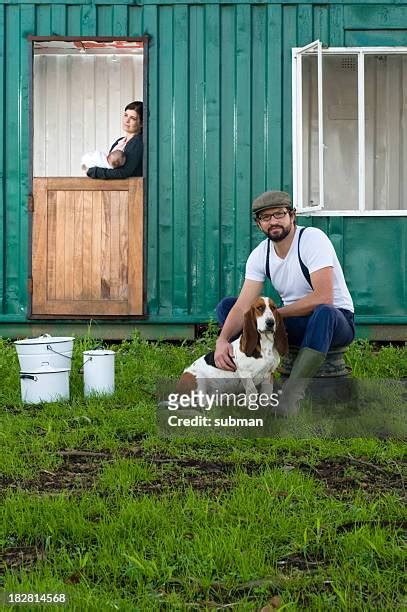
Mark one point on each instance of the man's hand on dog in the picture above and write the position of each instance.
(224, 355)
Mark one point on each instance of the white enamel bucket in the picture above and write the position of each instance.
(44, 385)
(44, 351)
(98, 372)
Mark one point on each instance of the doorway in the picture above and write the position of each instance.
(87, 235)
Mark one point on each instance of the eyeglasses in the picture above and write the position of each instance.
(268, 217)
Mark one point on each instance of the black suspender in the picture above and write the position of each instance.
(304, 268)
(268, 259)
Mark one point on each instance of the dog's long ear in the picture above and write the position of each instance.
(280, 335)
(249, 340)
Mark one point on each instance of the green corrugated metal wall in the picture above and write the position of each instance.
(219, 133)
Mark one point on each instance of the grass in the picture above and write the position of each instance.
(96, 505)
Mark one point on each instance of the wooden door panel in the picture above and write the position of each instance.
(83, 262)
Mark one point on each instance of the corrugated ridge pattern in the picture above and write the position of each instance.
(219, 134)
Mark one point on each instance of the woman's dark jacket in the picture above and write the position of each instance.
(133, 166)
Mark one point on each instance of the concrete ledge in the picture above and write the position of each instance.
(384, 333)
(96, 330)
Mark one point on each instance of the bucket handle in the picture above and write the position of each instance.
(49, 348)
(99, 346)
(29, 376)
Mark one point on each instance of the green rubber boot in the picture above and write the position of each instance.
(305, 366)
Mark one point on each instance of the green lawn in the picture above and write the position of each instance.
(95, 504)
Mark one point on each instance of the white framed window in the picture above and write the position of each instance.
(350, 130)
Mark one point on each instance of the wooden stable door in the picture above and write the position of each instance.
(87, 247)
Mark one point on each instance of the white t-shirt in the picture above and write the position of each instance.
(316, 251)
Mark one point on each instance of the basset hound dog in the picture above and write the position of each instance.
(256, 355)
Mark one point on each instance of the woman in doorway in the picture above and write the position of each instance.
(131, 144)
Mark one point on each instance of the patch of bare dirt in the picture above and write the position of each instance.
(78, 471)
(299, 562)
(178, 473)
(219, 594)
(19, 557)
(343, 475)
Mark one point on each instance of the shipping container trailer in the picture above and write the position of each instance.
(239, 97)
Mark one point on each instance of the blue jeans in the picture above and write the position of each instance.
(327, 327)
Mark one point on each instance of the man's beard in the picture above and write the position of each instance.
(279, 237)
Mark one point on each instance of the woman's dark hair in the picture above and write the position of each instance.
(138, 107)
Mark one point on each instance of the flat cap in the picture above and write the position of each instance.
(271, 199)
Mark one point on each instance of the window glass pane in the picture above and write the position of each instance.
(310, 160)
(340, 78)
(386, 131)
(340, 127)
